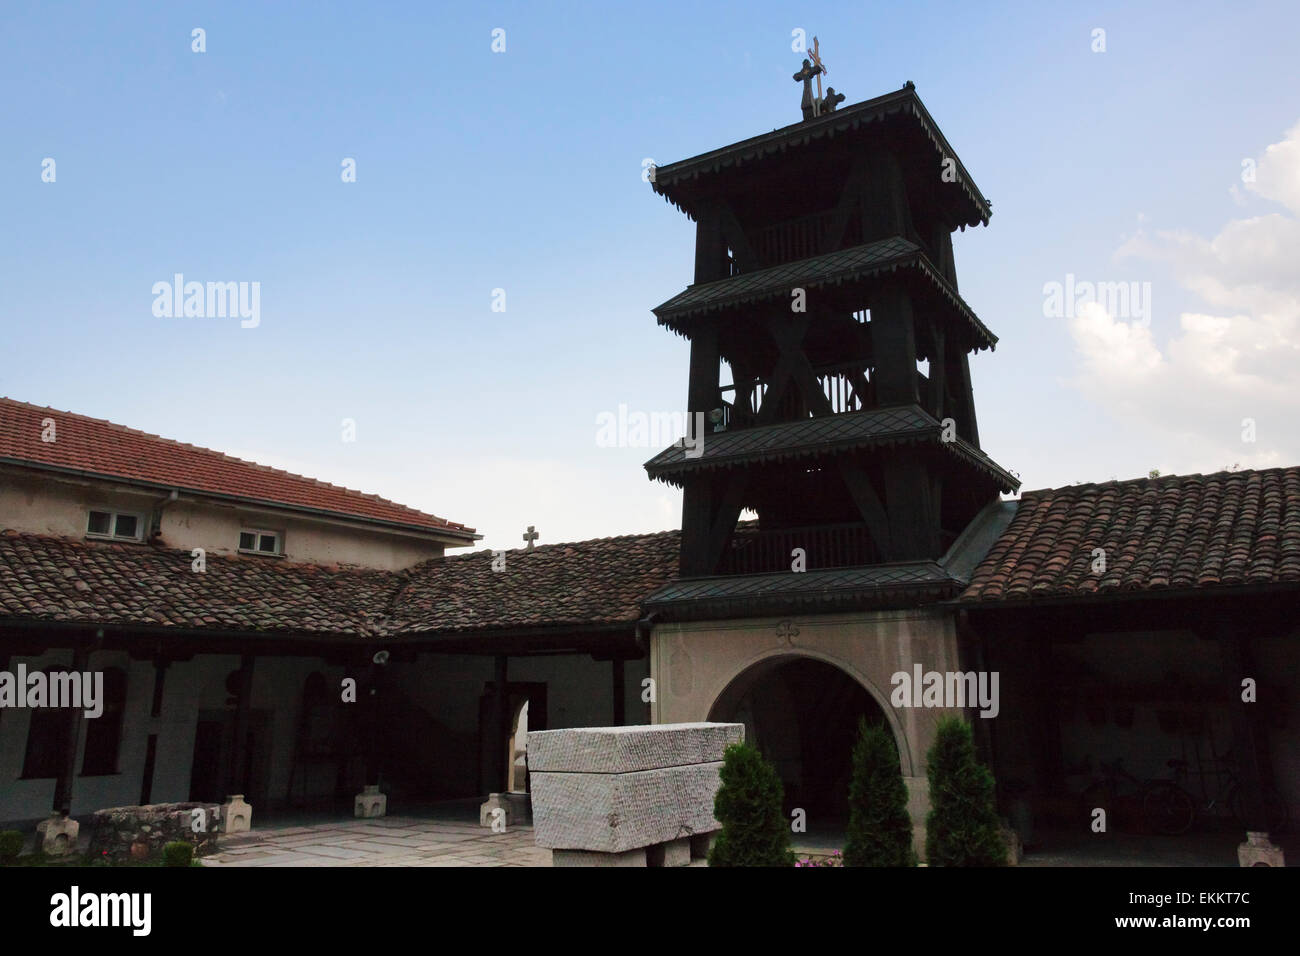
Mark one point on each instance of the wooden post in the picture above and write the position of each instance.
(235, 772)
(1250, 780)
(63, 785)
(620, 694)
(160, 665)
(500, 708)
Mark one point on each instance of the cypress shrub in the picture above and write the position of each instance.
(11, 845)
(748, 805)
(178, 853)
(880, 829)
(963, 827)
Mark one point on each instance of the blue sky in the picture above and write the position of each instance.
(521, 170)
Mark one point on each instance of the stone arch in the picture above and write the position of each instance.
(753, 668)
(801, 709)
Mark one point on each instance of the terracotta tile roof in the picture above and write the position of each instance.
(44, 578)
(102, 448)
(1173, 532)
(587, 582)
(58, 579)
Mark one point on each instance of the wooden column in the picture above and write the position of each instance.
(620, 693)
(235, 772)
(63, 785)
(160, 665)
(1238, 665)
(501, 712)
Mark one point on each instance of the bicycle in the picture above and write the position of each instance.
(1171, 810)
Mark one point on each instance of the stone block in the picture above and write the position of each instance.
(236, 815)
(588, 858)
(629, 749)
(1259, 850)
(57, 836)
(615, 812)
(370, 803)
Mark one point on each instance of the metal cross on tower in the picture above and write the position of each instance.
(815, 54)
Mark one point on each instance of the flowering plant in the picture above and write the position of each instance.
(835, 859)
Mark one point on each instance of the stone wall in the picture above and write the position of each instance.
(123, 833)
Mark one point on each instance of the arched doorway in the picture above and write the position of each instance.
(802, 714)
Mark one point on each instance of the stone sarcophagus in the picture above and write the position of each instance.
(627, 796)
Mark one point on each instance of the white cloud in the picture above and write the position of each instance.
(1239, 359)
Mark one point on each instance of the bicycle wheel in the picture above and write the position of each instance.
(1275, 810)
(1169, 809)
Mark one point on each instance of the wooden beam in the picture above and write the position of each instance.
(235, 771)
(850, 199)
(869, 507)
(63, 784)
(619, 691)
(893, 341)
(710, 246)
(724, 518)
(938, 372)
(734, 236)
(501, 712)
(792, 365)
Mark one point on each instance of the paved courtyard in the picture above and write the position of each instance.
(387, 841)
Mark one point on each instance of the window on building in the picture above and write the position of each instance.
(114, 524)
(256, 541)
(104, 733)
(47, 742)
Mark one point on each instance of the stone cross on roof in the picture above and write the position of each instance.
(530, 536)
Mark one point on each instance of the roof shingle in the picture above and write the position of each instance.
(1173, 532)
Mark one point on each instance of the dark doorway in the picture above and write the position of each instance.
(803, 715)
(213, 742)
(531, 693)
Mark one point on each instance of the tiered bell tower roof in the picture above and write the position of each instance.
(825, 290)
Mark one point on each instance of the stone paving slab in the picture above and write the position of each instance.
(389, 841)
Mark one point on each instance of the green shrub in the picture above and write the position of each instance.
(963, 827)
(11, 844)
(880, 829)
(748, 805)
(177, 853)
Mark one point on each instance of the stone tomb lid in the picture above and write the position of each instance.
(629, 749)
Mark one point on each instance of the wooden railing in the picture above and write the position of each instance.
(793, 239)
(825, 546)
(839, 384)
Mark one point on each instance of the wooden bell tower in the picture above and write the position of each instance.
(829, 347)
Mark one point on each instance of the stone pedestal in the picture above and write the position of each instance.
(1015, 849)
(236, 815)
(370, 803)
(627, 796)
(1258, 850)
(516, 810)
(57, 836)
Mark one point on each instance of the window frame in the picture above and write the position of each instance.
(113, 515)
(257, 534)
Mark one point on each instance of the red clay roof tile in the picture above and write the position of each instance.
(106, 449)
